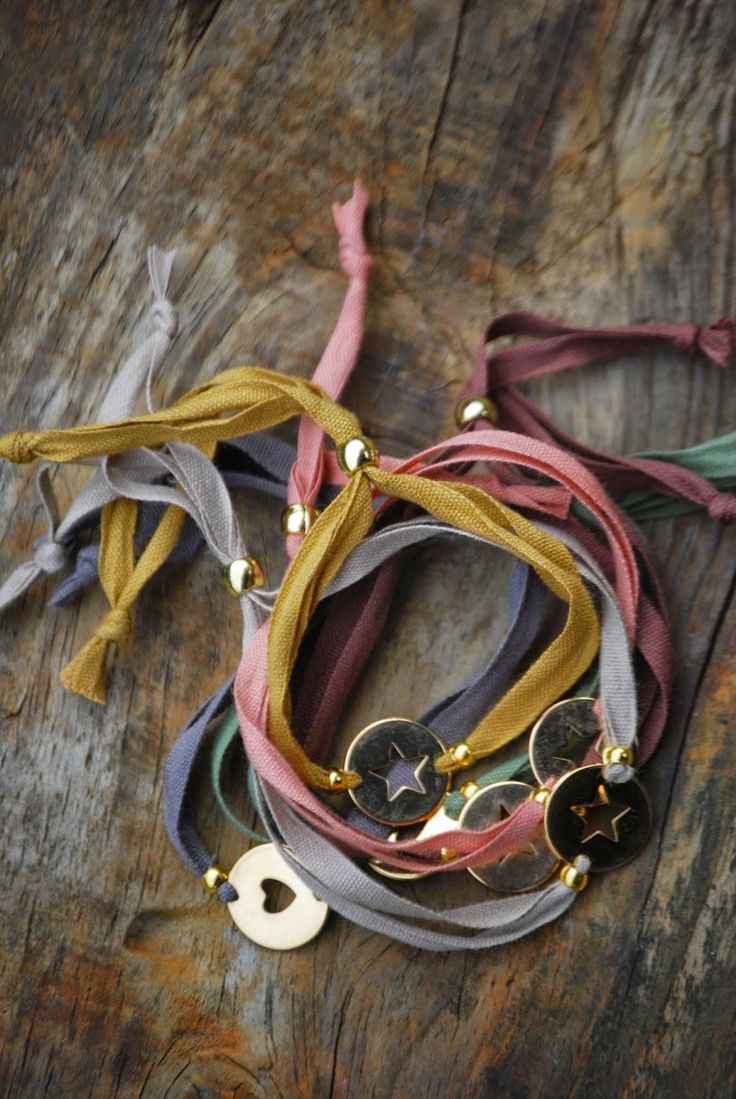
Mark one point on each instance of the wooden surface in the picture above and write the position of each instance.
(573, 157)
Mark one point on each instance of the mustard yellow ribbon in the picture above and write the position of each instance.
(336, 533)
(122, 579)
(256, 399)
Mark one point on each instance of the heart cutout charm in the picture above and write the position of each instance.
(296, 924)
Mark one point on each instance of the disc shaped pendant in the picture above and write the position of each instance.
(395, 761)
(608, 822)
(562, 737)
(296, 924)
(521, 870)
(435, 825)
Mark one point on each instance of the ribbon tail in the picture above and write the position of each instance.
(85, 674)
(19, 581)
(159, 269)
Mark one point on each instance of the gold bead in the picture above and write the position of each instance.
(475, 408)
(446, 855)
(541, 794)
(469, 789)
(618, 753)
(356, 453)
(242, 575)
(297, 518)
(336, 780)
(573, 878)
(213, 878)
(462, 755)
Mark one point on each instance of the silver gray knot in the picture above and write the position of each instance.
(164, 317)
(51, 556)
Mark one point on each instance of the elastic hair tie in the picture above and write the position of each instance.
(51, 553)
(333, 369)
(258, 399)
(339, 529)
(553, 347)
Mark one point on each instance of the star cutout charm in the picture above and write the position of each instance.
(568, 752)
(601, 816)
(399, 775)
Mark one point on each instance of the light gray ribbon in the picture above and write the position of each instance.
(360, 897)
(52, 551)
(202, 493)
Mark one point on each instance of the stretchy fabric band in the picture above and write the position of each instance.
(342, 885)
(51, 552)
(214, 528)
(554, 347)
(271, 398)
(341, 353)
(264, 397)
(357, 891)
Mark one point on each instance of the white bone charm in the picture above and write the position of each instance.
(296, 925)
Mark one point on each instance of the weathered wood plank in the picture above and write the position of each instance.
(576, 158)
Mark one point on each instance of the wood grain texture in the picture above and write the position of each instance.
(571, 157)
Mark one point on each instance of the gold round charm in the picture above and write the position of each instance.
(395, 761)
(562, 738)
(475, 408)
(298, 519)
(438, 823)
(296, 924)
(522, 870)
(356, 453)
(608, 822)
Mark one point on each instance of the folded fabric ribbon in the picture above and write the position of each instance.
(553, 347)
(50, 553)
(316, 868)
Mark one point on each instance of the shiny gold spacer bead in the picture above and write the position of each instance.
(573, 878)
(541, 795)
(243, 575)
(213, 878)
(336, 780)
(469, 789)
(462, 755)
(446, 855)
(618, 753)
(475, 408)
(356, 453)
(298, 518)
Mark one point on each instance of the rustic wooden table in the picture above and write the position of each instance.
(573, 158)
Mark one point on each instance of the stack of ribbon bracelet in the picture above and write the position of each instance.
(526, 775)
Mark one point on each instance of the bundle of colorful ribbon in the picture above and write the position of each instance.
(583, 671)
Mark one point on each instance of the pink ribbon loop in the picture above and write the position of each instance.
(341, 353)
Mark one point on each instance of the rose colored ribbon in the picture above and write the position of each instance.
(341, 353)
(553, 347)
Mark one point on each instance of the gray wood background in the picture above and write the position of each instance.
(568, 156)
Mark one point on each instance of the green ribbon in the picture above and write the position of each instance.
(715, 460)
(227, 735)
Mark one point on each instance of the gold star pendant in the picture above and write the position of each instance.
(398, 776)
(602, 816)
